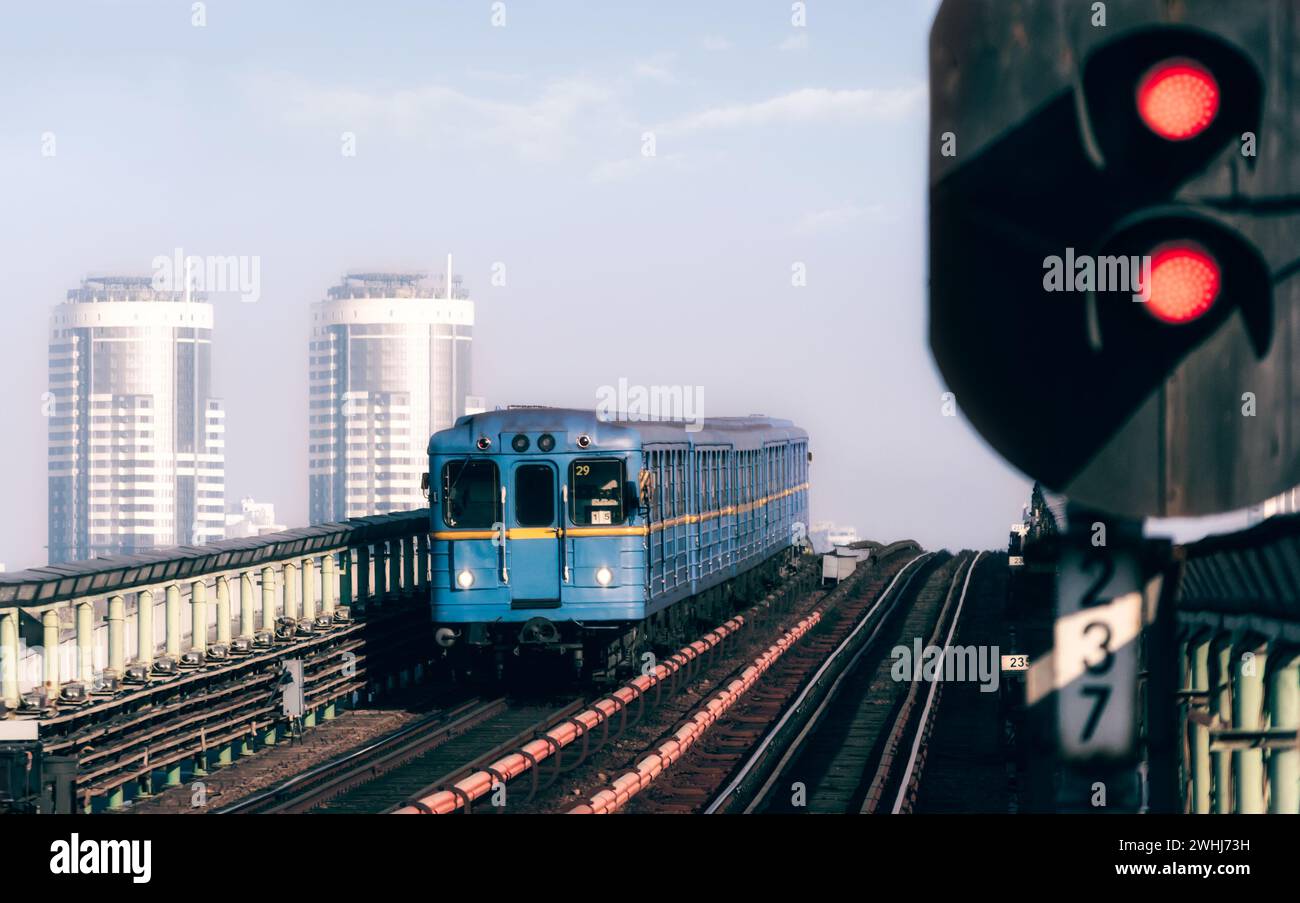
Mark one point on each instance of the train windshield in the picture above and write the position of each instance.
(471, 495)
(597, 491)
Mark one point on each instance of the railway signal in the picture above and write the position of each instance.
(1111, 224)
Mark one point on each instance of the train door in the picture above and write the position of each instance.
(535, 545)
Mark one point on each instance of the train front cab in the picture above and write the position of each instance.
(533, 538)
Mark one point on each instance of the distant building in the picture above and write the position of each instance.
(389, 366)
(136, 437)
(251, 518)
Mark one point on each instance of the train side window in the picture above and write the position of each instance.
(596, 494)
(471, 494)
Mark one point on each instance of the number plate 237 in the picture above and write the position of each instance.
(1098, 627)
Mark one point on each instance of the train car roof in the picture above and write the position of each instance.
(742, 433)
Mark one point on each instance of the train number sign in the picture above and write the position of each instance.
(1098, 626)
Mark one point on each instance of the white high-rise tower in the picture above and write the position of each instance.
(136, 438)
(389, 366)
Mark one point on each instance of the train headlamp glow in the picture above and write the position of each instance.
(604, 576)
(464, 579)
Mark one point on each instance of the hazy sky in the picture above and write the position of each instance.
(519, 145)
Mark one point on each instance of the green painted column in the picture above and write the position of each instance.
(225, 755)
(309, 588)
(9, 657)
(247, 621)
(1200, 733)
(201, 764)
(174, 620)
(268, 598)
(329, 583)
(291, 588)
(199, 616)
(379, 571)
(1284, 764)
(395, 553)
(117, 798)
(246, 747)
(408, 565)
(347, 572)
(144, 627)
(172, 775)
(422, 561)
(116, 635)
(328, 713)
(223, 611)
(144, 786)
(363, 582)
(1247, 713)
(309, 718)
(86, 642)
(50, 629)
(1221, 705)
(268, 736)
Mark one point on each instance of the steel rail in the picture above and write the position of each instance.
(931, 695)
(761, 749)
(406, 742)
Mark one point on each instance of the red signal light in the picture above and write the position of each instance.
(1185, 282)
(1178, 99)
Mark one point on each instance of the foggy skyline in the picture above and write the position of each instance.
(522, 150)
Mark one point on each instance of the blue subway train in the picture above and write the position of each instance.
(558, 530)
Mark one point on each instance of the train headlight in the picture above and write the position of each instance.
(604, 576)
(464, 579)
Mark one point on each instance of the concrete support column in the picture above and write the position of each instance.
(291, 591)
(422, 561)
(1200, 733)
(329, 586)
(50, 625)
(199, 616)
(365, 593)
(144, 627)
(309, 588)
(116, 635)
(268, 598)
(247, 622)
(1284, 764)
(408, 565)
(174, 620)
(1247, 714)
(86, 642)
(1221, 705)
(9, 657)
(223, 611)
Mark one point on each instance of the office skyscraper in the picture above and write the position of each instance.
(136, 439)
(389, 366)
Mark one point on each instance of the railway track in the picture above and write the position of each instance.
(853, 742)
(689, 762)
(417, 759)
(828, 721)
